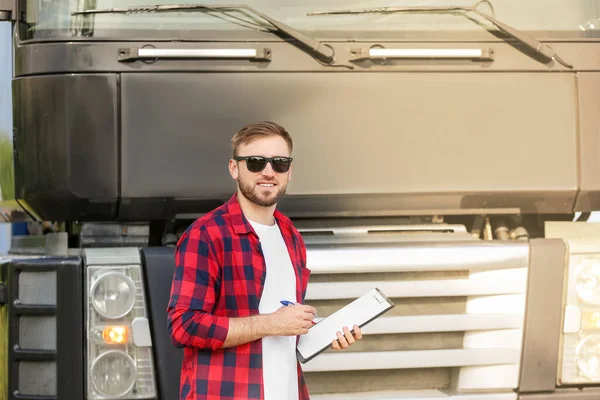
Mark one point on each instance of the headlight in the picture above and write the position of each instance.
(119, 345)
(113, 373)
(581, 333)
(113, 295)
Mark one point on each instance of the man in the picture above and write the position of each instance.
(234, 267)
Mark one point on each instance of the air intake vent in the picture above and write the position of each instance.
(37, 288)
(37, 333)
(37, 378)
(45, 320)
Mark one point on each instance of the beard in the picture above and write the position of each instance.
(251, 192)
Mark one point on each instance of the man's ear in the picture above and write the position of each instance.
(233, 169)
(290, 174)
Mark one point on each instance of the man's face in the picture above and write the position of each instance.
(266, 187)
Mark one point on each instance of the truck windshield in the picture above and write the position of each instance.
(542, 19)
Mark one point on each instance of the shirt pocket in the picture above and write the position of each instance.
(243, 278)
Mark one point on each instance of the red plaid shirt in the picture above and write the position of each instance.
(220, 274)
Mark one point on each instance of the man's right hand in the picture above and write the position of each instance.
(292, 320)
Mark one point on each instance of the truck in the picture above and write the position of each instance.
(445, 152)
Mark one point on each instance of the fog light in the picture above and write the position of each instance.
(113, 373)
(113, 295)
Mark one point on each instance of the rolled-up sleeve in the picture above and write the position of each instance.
(194, 293)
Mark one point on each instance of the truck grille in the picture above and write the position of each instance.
(44, 311)
(457, 325)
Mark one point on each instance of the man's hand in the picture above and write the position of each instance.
(346, 339)
(292, 320)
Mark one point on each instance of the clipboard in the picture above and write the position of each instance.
(361, 311)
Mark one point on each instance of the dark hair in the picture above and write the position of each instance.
(257, 129)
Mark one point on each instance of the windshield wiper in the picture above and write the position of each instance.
(530, 42)
(315, 48)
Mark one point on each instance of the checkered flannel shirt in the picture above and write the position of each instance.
(220, 274)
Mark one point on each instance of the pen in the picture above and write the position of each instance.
(291, 303)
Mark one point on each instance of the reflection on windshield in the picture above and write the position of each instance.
(533, 44)
(541, 18)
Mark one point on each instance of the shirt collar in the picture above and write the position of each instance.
(240, 222)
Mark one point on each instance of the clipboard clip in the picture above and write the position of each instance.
(379, 298)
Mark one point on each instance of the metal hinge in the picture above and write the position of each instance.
(8, 10)
(3, 294)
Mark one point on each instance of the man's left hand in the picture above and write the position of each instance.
(347, 338)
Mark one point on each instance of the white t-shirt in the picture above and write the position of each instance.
(280, 374)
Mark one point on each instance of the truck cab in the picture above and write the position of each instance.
(445, 152)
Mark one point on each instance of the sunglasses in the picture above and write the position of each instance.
(258, 163)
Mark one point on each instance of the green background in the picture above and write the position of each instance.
(6, 168)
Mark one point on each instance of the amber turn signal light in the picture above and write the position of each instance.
(115, 334)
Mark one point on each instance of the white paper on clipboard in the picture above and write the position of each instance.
(360, 312)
